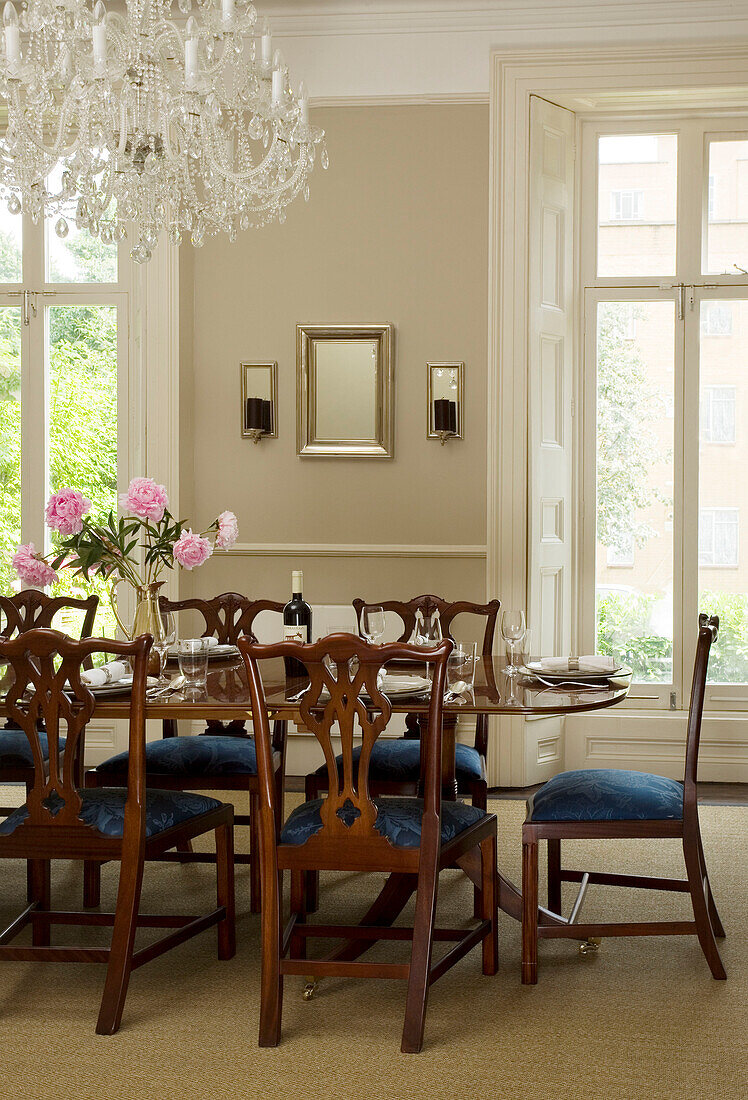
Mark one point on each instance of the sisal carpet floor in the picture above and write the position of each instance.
(642, 1019)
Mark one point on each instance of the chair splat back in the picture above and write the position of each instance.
(708, 630)
(448, 612)
(47, 691)
(32, 608)
(227, 617)
(340, 668)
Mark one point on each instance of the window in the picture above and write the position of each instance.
(718, 537)
(621, 555)
(625, 206)
(718, 414)
(665, 394)
(64, 362)
(716, 319)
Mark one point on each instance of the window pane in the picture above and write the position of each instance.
(10, 443)
(77, 257)
(11, 233)
(82, 364)
(723, 491)
(637, 195)
(635, 437)
(727, 208)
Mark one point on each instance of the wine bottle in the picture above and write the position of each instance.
(297, 624)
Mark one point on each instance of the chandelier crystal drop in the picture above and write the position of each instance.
(138, 121)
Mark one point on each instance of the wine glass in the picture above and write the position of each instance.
(512, 631)
(372, 623)
(163, 643)
(428, 633)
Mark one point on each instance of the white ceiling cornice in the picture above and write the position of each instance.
(310, 18)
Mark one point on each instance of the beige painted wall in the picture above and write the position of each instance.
(396, 231)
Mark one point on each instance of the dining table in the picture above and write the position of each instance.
(495, 692)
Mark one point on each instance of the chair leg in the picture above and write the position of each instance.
(40, 883)
(225, 893)
(271, 980)
(297, 947)
(420, 961)
(254, 853)
(554, 876)
(696, 875)
(529, 907)
(719, 930)
(91, 884)
(490, 904)
(184, 846)
(123, 941)
(479, 792)
(311, 791)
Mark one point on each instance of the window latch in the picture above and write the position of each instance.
(29, 306)
(672, 701)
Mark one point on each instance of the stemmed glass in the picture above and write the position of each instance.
(428, 633)
(163, 643)
(512, 631)
(372, 623)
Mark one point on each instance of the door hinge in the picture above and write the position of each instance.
(673, 701)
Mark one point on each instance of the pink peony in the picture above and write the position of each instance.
(65, 511)
(228, 530)
(31, 568)
(191, 550)
(146, 499)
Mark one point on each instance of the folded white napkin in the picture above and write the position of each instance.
(591, 663)
(210, 642)
(105, 674)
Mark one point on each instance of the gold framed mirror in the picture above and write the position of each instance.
(345, 391)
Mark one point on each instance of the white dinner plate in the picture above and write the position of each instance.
(534, 668)
(396, 687)
(121, 687)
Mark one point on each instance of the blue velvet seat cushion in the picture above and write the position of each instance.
(400, 761)
(398, 819)
(202, 755)
(607, 794)
(15, 749)
(104, 809)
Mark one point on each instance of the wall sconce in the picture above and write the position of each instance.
(259, 401)
(445, 384)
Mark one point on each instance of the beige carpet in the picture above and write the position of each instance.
(642, 1019)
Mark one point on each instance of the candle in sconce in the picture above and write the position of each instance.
(441, 415)
(267, 417)
(254, 414)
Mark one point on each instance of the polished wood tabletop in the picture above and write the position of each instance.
(226, 695)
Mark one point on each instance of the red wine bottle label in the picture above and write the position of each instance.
(295, 633)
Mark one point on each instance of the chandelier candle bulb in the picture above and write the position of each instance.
(190, 52)
(227, 10)
(266, 45)
(99, 34)
(277, 87)
(303, 104)
(11, 33)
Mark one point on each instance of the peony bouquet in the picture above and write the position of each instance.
(136, 548)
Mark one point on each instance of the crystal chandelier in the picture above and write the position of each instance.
(128, 121)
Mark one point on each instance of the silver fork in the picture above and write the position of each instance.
(573, 683)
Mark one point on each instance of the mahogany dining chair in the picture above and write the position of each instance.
(59, 820)
(611, 804)
(411, 839)
(221, 758)
(395, 766)
(19, 613)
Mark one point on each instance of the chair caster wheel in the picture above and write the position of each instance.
(590, 946)
(309, 989)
